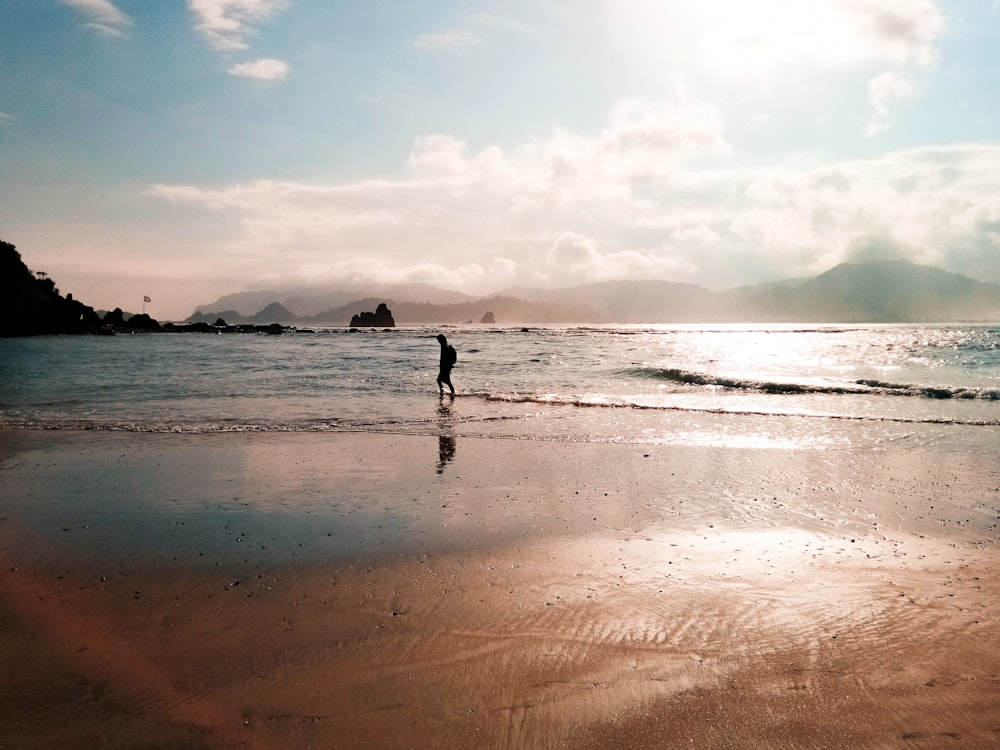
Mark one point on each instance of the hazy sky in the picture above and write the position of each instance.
(183, 150)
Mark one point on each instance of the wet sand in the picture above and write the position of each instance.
(362, 590)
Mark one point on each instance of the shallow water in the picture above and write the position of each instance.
(736, 386)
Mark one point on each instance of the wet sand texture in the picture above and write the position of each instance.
(336, 591)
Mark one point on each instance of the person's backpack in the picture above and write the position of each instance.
(451, 356)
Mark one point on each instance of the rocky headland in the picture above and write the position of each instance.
(31, 305)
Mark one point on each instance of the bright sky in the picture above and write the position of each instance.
(183, 150)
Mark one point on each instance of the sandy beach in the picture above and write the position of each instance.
(402, 591)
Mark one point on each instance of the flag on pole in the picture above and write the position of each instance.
(146, 299)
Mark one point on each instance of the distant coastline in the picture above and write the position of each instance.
(892, 291)
(875, 292)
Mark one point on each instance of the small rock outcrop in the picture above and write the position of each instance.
(381, 318)
(142, 322)
(115, 321)
(488, 319)
(114, 318)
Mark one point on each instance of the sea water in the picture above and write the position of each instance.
(869, 386)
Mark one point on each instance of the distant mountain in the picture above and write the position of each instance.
(273, 313)
(876, 292)
(506, 310)
(230, 317)
(304, 302)
(242, 303)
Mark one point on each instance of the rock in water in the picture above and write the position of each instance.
(381, 318)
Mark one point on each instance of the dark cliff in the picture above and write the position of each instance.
(30, 303)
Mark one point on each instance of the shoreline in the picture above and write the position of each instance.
(351, 589)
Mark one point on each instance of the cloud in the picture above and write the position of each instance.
(474, 31)
(501, 23)
(443, 158)
(927, 205)
(884, 92)
(644, 144)
(766, 40)
(575, 258)
(447, 40)
(648, 134)
(498, 206)
(226, 24)
(649, 195)
(264, 69)
(908, 27)
(105, 18)
(438, 155)
(571, 252)
(877, 246)
(824, 33)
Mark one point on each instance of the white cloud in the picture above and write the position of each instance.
(915, 204)
(769, 39)
(884, 92)
(649, 137)
(443, 158)
(226, 24)
(501, 23)
(473, 31)
(908, 27)
(105, 18)
(643, 147)
(265, 69)
(571, 253)
(575, 258)
(438, 156)
(635, 199)
(447, 40)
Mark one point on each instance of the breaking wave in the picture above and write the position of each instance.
(856, 387)
(600, 402)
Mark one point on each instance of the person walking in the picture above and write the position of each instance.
(448, 359)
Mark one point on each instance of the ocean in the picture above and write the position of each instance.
(293, 540)
(770, 386)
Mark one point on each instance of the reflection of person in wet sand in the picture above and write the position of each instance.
(446, 441)
(448, 359)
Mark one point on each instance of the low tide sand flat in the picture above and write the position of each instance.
(354, 590)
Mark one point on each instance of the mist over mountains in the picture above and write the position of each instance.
(305, 302)
(876, 292)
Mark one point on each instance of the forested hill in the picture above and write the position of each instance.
(895, 291)
(31, 304)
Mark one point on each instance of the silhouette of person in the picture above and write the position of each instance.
(448, 359)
